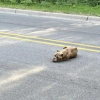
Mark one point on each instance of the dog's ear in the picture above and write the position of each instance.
(57, 50)
(64, 47)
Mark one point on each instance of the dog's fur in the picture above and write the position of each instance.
(65, 54)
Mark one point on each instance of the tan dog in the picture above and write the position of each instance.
(65, 54)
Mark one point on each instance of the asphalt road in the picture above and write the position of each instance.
(27, 45)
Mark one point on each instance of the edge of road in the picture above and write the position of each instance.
(50, 14)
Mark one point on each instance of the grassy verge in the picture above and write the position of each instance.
(75, 9)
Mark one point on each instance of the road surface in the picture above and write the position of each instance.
(27, 45)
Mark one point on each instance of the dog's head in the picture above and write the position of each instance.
(58, 56)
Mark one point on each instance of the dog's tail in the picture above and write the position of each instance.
(76, 49)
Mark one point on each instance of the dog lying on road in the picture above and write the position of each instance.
(65, 54)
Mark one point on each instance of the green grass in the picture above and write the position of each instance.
(69, 9)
